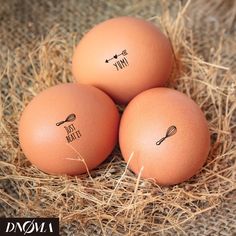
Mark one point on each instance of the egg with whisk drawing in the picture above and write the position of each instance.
(164, 136)
(69, 129)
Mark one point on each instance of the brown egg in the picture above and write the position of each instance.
(164, 135)
(123, 56)
(69, 128)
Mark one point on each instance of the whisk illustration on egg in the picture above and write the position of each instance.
(69, 118)
(170, 132)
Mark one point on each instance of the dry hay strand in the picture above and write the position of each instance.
(111, 199)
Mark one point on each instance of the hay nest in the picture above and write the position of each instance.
(111, 199)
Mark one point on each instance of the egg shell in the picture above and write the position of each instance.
(74, 146)
(143, 130)
(123, 56)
